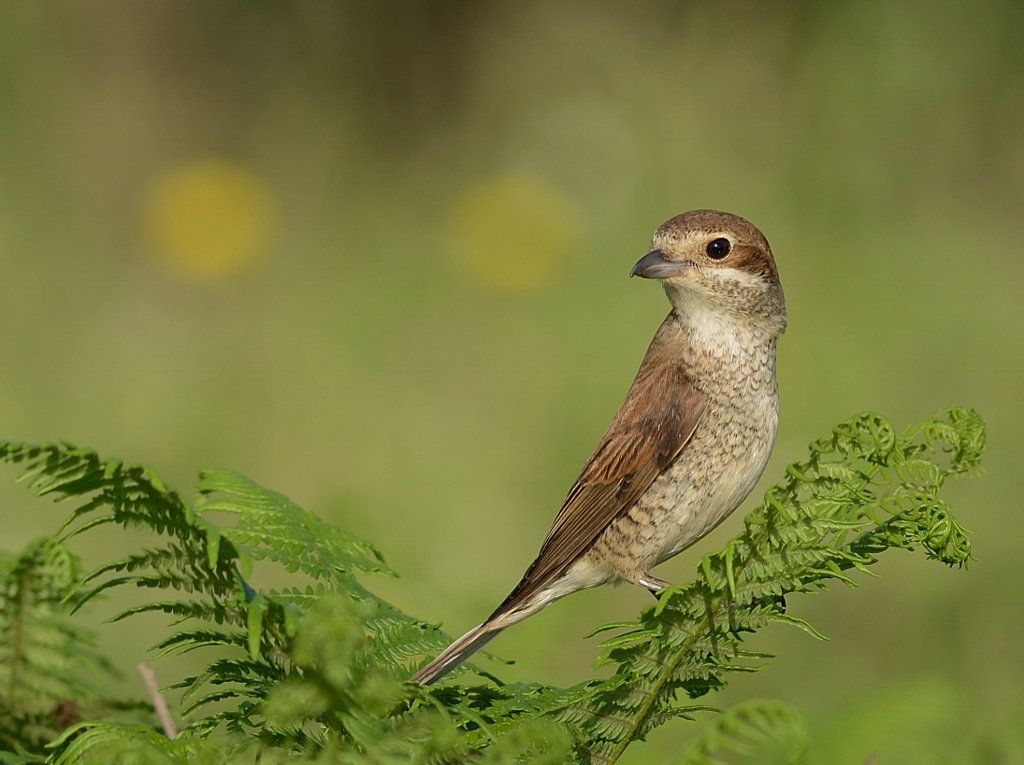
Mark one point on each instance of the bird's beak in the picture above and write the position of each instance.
(654, 265)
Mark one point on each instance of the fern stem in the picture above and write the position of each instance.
(669, 667)
(18, 632)
(652, 696)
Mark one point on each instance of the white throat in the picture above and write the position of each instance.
(716, 320)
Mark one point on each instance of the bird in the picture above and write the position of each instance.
(691, 438)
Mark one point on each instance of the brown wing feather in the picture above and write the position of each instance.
(654, 423)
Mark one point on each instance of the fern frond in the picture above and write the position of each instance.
(102, 743)
(190, 640)
(208, 564)
(272, 527)
(750, 728)
(45, 660)
(834, 512)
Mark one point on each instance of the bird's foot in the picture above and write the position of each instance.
(653, 584)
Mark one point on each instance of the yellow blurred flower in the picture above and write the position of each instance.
(513, 233)
(210, 219)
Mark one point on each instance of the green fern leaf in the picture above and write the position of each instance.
(749, 729)
(272, 527)
(45, 660)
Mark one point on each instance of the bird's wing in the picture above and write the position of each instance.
(654, 423)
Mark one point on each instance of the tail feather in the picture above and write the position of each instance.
(456, 653)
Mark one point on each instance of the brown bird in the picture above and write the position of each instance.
(689, 442)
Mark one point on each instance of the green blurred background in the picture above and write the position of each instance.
(374, 255)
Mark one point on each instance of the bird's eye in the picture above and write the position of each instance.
(718, 248)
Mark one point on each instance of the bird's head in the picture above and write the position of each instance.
(715, 263)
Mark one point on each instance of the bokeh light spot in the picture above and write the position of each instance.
(210, 219)
(513, 234)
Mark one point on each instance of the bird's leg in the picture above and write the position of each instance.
(656, 586)
(653, 584)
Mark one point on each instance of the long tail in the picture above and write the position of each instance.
(528, 597)
(456, 653)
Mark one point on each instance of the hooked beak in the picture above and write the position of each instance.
(654, 265)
